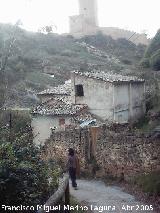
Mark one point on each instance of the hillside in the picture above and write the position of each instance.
(39, 61)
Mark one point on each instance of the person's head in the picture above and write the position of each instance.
(71, 151)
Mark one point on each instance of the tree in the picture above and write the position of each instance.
(155, 61)
(152, 54)
(48, 29)
(25, 179)
(154, 45)
(6, 48)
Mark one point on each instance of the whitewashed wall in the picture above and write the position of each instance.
(138, 100)
(114, 102)
(41, 127)
(121, 103)
(98, 95)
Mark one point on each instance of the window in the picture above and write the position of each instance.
(79, 90)
(61, 121)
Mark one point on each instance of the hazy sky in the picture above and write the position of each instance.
(136, 15)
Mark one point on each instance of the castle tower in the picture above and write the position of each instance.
(86, 22)
(88, 9)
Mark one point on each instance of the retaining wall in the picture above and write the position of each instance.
(106, 151)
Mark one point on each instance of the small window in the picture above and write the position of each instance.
(61, 121)
(79, 90)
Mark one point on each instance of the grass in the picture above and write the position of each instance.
(149, 183)
(40, 78)
(145, 125)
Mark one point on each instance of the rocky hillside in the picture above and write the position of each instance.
(38, 61)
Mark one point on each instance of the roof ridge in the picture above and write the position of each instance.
(109, 77)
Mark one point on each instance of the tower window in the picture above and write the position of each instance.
(79, 90)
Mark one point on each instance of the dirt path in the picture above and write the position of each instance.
(102, 198)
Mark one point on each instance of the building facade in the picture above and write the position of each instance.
(88, 97)
(56, 113)
(111, 98)
(43, 125)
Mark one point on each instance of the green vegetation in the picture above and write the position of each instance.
(125, 50)
(152, 83)
(25, 179)
(149, 183)
(39, 80)
(145, 125)
(155, 60)
(152, 55)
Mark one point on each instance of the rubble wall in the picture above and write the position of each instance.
(108, 152)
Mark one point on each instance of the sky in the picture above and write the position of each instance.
(135, 15)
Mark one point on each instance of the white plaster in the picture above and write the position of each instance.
(97, 95)
(118, 102)
(42, 127)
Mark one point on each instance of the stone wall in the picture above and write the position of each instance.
(115, 33)
(108, 152)
(128, 154)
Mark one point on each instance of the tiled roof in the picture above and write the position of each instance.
(58, 106)
(64, 89)
(109, 77)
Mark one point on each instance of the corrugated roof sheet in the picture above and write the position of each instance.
(88, 122)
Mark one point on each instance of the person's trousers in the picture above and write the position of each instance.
(72, 174)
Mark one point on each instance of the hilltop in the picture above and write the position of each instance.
(40, 61)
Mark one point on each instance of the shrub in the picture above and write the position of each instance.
(154, 45)
(145, 63)
(150, 183)
(126, 61)
(155, 61)
(152, 54)
(24, 178)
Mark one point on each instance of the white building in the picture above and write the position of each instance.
(88, 96)
(114, 98)
(56, 112)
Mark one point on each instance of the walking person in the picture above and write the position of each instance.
(73, 167)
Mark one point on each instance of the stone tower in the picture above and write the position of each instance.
(88, 9)
(86, 22)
